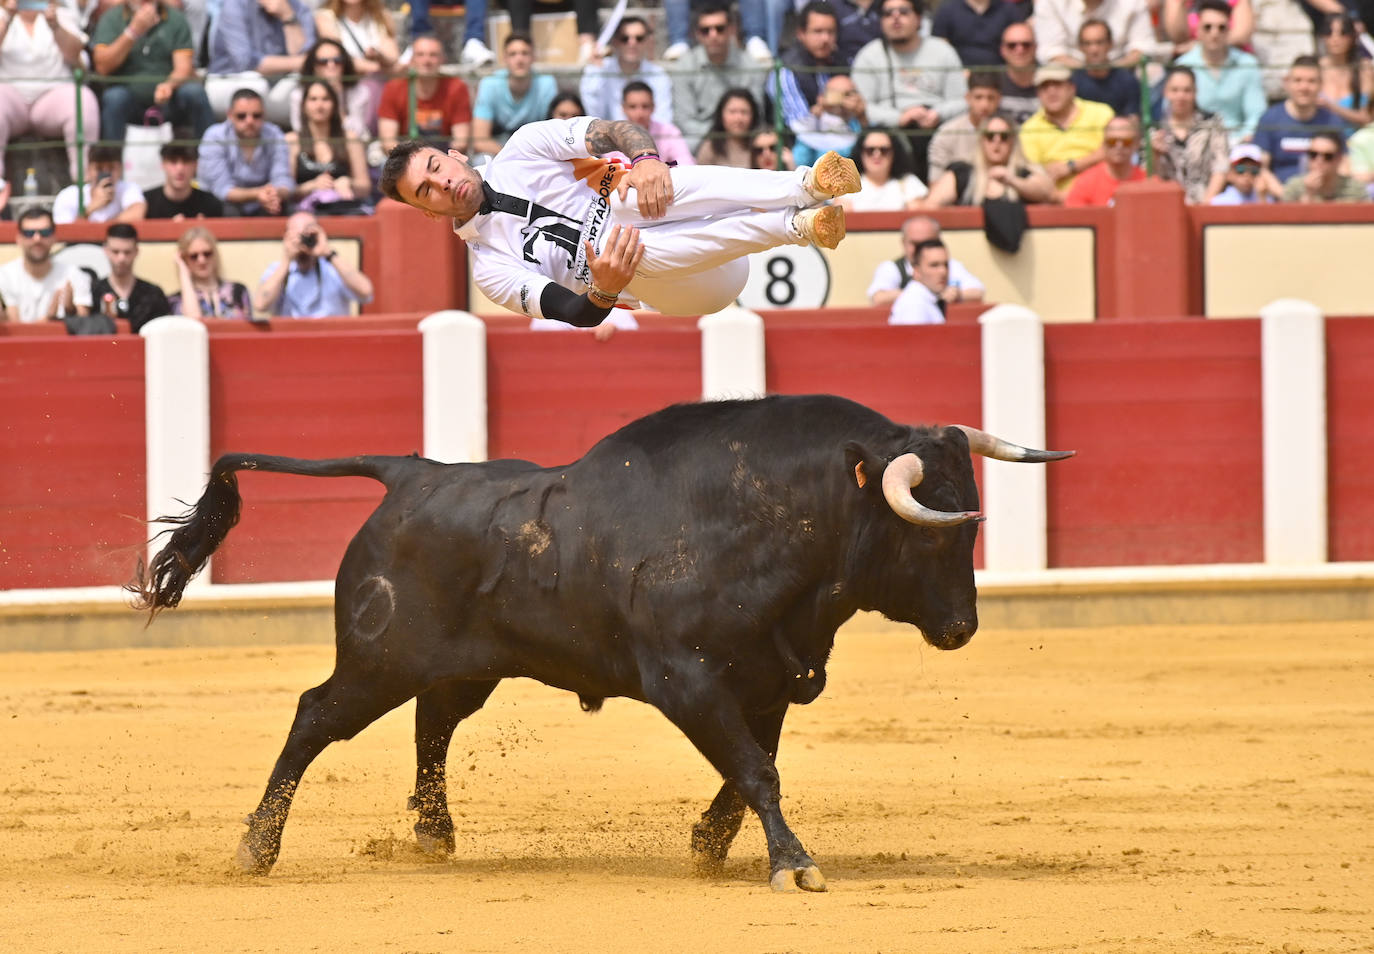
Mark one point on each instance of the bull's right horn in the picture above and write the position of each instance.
(989, 445)
(900, 476)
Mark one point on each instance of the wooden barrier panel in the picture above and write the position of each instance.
(553, 394)
(308, 394)
(72, 487)
(1350, 438)
(1166, 419)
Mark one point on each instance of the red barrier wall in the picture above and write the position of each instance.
(72, 493)
(551, 395)
(307, 394)
(1166, 418)
(1350, 409)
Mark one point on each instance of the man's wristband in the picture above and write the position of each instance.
(640, 158)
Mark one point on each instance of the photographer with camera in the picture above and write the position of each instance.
(311, 280)
(108, 198)
(122, 294)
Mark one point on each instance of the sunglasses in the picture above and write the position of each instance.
(632, 38)
(197, 256)
(1322, 154)
(877, 150)
(329, 61)
(1244, 168)
(1018, 44)
(997, 135)
(248, 116)
(707, 29)
(48, 232)
(1119, 140)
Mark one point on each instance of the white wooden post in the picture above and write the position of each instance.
(1293, 354)
(1014, 409)
(455, 387)
(732, 363)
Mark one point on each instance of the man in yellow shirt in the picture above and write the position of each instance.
(1065, 134)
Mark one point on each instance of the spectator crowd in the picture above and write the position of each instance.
(287, 107)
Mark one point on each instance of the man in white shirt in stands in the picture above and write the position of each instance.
(553, 218)
(891, 276)
(922, 300)
(33, 286)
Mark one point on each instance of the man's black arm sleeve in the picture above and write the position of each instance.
(562, 305)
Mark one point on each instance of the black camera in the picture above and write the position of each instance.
(309, 239)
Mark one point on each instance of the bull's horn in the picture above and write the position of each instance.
(981, 442)
(900, 476)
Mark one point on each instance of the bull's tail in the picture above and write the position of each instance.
(201, 530)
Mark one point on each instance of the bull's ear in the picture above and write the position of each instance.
(865, 465)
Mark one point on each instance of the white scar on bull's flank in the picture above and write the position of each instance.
(535, 536)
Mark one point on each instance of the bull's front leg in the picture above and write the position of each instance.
(711, 718)
(720, 823)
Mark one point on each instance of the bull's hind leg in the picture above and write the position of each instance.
(720, 823)
(338, 708)
(437, 713)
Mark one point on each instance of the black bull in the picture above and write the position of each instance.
(699, 559)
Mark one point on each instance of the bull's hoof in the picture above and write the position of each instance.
(792, 879)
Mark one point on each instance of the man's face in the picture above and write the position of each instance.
(633, 45)
(178, 172)
(1055, 96)
(818, 35)
(716, 34)
(900, 21)
(1302, 85)
(519, 58)
(932, 269)
(1018, 46)
(427, 55)
(639, 107)
(121, 252)
(246, 115)
(441, 185)
(1213, 30)
(1094, 45)
(982, 103)
(36, 238)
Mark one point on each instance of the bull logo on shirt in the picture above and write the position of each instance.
(554, 227)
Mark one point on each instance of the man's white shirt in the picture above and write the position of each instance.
(916, 305)
(515, 257)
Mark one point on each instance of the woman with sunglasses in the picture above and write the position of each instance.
(1347, 72)
(998, 171)
(327, 60)
(1191, 146)
(328, 164)
(732, 129)
(204, 294)
(886, 181)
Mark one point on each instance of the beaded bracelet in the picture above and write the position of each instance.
(648, 155)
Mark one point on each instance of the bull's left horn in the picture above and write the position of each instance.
(900, 476)
(989, 445)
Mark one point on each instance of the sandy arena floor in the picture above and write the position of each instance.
(1133, 789)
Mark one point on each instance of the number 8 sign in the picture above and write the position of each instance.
(789, 276)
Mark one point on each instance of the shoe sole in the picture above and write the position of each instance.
(828, 226)
(835, 175)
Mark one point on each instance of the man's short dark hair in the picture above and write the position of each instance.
(105, 152)
(1306, 61)
(243, 92)
(636, 86)
(923, 247)
(516, 36)
(121, 230)
(985, 79)
(1095, 22)
(396, 164)
(1216, 6)
(31, 212)
(817, 8)
(179, 150)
